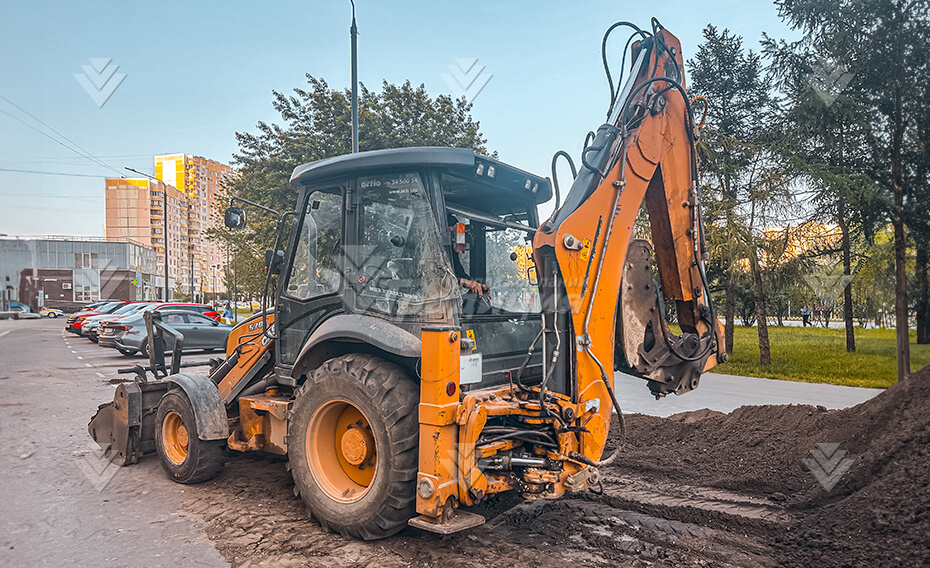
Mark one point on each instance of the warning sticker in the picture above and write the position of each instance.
(470, 334)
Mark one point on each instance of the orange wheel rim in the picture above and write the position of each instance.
(341, 451)
(175, 438)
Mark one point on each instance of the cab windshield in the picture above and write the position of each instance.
(401, 269)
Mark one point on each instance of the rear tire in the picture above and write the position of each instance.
(356, 409)
(184, 457)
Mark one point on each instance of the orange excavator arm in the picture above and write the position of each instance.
(591, 267)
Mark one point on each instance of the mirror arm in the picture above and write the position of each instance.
(277, 243)
(278, 217)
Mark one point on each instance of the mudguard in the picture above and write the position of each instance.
(209, 409)
(379, 333)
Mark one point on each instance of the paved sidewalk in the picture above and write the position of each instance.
(725, 393)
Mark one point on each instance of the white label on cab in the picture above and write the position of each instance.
(470, 369)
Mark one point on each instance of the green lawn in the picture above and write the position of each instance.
(818, 355)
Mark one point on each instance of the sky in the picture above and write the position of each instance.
(198, 72)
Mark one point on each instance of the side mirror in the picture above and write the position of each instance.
(213, 322)
(234, 218)
(274, 260)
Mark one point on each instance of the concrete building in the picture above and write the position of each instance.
(68, 272)
(136, 210)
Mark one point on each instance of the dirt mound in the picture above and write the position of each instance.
(878, 512)
(696, 489)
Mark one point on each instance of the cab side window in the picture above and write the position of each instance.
(318, 255)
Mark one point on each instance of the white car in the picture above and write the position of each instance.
(51, 312)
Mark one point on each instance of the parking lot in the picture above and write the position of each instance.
(61, 505)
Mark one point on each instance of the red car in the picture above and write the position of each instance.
(75, 321)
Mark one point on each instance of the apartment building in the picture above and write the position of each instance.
(136, 210)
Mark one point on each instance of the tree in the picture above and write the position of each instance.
(741, 179)
(825, 133)
(880, 43)
(317, 125)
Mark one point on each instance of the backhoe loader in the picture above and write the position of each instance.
(432, 342)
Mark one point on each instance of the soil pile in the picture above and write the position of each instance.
(878, 513)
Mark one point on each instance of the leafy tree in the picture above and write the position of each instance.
(880, 42)
(741, 177)
(316, 124)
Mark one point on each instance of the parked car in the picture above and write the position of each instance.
(51, 312)
(130, 336)
(91, 327)
(75, 321)
(91, 323)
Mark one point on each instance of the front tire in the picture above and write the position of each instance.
(184, 457)
(353, 446)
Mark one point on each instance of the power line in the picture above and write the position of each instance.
(51, 173)
(46, 125)
(80, 151)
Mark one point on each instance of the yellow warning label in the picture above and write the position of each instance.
(585, 249)
(470, 334)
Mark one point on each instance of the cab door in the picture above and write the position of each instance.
(313, 284)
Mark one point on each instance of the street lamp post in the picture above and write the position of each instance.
(235, 274)
(165, 193)
(353, 31)
(213, 269)
(190, 248)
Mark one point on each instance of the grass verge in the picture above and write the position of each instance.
(818, 355)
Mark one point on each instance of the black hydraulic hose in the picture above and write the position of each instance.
(544, 409)
(555, 176)
(588, 138)
(610, 80)
(526, 361)
(548, 442)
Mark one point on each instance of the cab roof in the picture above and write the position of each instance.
(460, 161)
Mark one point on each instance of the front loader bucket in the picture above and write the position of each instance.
(125, 428)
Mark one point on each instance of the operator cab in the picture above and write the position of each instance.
(387, 237)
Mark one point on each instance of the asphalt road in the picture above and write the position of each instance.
(60, 505)
(56, 506)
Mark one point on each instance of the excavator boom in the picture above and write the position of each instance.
(588, 259)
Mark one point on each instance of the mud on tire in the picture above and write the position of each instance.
(194, 461)
(387, 398)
